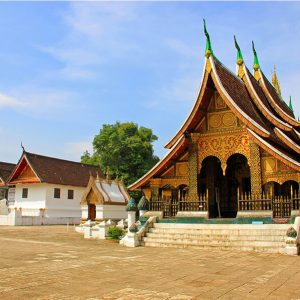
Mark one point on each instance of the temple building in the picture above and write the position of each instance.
(45, 190)
(236, 154)
(5, 171)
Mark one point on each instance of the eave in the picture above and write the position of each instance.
(246, 119)
(11, 179)
(261, 106)
(161, 165)
(290, 120)
(274, 151)
(287, 140)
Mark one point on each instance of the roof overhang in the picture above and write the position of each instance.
(162, 164)
(18, 171)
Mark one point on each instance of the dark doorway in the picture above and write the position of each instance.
(210, 182)
(92, 212)
(237, 181)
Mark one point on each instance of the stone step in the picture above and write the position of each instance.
(215, 231)
(201, 242)
(217, 247)
(201, 236)
(222, 226)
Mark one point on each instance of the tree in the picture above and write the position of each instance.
(125, 148)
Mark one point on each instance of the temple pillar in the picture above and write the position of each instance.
(255, 170)
(193, 171)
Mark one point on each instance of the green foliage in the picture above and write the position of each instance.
(125, 148)
(291, 232)
(115, 233)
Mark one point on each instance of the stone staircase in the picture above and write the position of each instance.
(241, 237)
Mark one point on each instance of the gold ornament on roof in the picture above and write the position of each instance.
(275, 82)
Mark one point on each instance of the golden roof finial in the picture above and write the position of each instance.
(275, 82)
(107, 173)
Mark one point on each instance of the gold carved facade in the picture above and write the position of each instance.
(275, 170)
(223, 145)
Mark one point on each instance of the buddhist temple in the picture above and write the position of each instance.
(237, 153)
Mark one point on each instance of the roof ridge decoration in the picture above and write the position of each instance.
(275, 104)
(275, 82)
(208, 48)
(291, 104)
(239, 58)
(256, 65)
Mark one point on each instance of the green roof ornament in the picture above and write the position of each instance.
(239, 58)
(255, 63)
(131, 206)
(143, 204)
(291, 104)
(208, 49)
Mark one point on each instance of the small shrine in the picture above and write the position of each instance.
(104, 199)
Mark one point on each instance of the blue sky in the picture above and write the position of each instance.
(66, 68)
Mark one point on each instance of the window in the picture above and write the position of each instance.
(70, 194)
(25, 193)
(56, 193)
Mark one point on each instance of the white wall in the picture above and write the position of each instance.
(63, 207)
(40, 207)
(36, 196)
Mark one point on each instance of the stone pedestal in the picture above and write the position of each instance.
(87, 229)
(130, 240)
(131, 218)
(142, 212)
(291, 247)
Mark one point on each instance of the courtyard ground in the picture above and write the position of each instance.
(54, 262)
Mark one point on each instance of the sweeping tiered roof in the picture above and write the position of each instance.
(268, 120)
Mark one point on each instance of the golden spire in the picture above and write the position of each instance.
(275, 82)
(107, 173)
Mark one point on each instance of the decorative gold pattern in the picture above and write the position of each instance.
(220, 103)
(229, 119)
(182, 169)
(214, 121)
(255, 170)
(220, 120)
(223, 146)
(269, 164)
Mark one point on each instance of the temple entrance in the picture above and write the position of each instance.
(210, 182)
(91, 212)
(222, 190)
(238, 182)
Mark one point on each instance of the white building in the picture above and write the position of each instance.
(46, 190)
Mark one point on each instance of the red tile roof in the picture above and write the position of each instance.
(60, 171)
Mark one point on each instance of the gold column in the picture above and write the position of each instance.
(193, 170)
(255, 170)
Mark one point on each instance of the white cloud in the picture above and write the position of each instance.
(8, 101)
(94, 37)
(35, 100)
(74, 150)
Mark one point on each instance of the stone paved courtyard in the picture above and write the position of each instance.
(55, 263)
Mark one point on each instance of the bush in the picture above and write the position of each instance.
(291, 232)
(115, 233)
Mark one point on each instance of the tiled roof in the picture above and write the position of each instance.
(60, 171)
(239, 94)
(5, 170)
(276, 97)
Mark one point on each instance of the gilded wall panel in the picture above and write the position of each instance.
(182, 169)
(223, 146)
